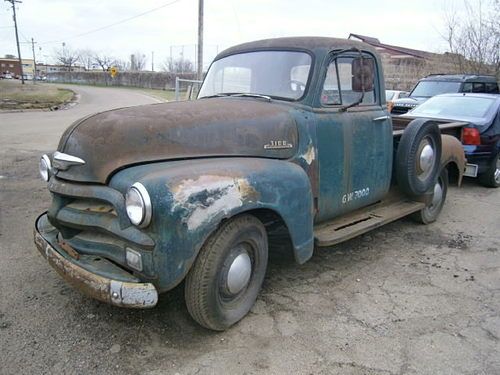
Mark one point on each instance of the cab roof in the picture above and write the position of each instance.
(308, 43)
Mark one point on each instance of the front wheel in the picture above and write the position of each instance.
(491, 178)
(223, 283)
(430, 213)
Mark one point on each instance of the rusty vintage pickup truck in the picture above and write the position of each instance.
(288, 146)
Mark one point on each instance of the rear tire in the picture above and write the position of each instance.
(227, 275)
(418, 157)
(491, 178)
(430, 213)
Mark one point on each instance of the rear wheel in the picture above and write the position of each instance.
(491, 178)
(223, 283)
(430, 213)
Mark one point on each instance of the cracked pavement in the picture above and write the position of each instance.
(403, 299)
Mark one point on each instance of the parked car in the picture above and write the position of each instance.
(436, 84)
(6, 76)
(392, 95)
(481, 135)
(148, 196)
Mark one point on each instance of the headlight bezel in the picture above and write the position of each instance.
(146, 207)
(45, 173)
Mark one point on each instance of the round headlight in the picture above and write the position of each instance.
(44, 167)
(138, 205)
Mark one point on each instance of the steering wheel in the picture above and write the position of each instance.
(298, 85)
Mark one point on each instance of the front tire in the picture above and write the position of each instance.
(491, 178)
(227, 275)
(430, 213)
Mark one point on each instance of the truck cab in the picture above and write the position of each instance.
(288, 145)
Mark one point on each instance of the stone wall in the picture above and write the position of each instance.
(403, 74)
(149, 80)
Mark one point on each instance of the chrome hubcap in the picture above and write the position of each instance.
(438, 195)
(497, 171)
(426, 158)
(239, 273)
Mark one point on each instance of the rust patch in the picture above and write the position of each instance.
(209, 196)
(71, 252)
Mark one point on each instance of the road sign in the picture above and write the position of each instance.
(113, 71)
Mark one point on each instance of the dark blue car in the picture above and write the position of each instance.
(480, 138)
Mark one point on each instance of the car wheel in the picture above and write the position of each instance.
(418, 157)
(226, 277)
(430, 213)
(491, 178)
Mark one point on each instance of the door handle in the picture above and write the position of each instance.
(381, 118)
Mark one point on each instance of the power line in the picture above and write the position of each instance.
(114, 23)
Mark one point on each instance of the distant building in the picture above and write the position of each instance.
(43, 69)
(403, 67)
(28, 68)
(10, 66)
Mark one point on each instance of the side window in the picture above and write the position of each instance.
(340, 86)
(491, 88)
(478, 87)
(467, 87)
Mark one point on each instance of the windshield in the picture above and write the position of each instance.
(455, 107)
(427, 89)
(280, 74)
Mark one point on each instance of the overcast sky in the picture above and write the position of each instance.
(414, 24)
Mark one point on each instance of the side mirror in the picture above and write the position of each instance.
(363, 74)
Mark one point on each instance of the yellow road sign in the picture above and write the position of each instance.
(114, 71)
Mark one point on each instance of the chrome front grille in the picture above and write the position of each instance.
(92, 220)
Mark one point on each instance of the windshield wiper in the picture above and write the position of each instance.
(249, 95)
(237, 94)
(214, 96)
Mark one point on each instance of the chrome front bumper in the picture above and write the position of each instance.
(95, 277)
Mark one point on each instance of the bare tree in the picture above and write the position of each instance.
(103, 61)
(179, 65)
(474, 39)
(122, 65)
(86, 58)
(137, 61)
(67, 56)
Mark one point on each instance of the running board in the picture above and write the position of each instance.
(363, 220)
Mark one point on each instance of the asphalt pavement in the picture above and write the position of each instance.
(403, 299)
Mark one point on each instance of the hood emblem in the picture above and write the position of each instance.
(273, 145)
(63, 161)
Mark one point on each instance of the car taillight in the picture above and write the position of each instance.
(471, 136)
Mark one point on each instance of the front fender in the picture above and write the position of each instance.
(191, 198)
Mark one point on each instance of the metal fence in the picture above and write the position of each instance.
(186, 89)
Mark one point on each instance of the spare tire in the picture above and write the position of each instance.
(418, 157)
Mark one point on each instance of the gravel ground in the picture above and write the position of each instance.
(403, 299)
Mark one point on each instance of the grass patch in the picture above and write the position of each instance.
(165, 95)
(14, 95)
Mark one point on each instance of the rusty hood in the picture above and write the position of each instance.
(109, 141)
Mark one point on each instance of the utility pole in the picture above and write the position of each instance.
(152, 61)
(13, 2)
(34, 60)
(200, 39)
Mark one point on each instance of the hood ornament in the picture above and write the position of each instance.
(62, 161)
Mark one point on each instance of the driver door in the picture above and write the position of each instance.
(354, 144)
